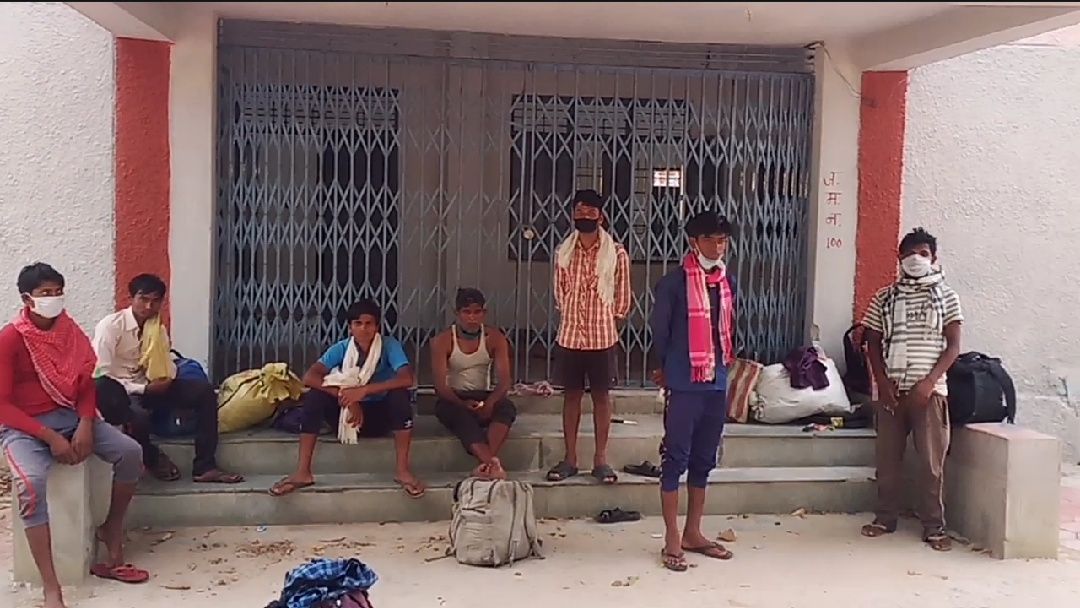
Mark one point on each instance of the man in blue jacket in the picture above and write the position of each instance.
(692, 331)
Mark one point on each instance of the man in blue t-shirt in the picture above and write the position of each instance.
(379, 408)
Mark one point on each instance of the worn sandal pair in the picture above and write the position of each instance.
(564, 470)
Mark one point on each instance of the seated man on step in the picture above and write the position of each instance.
(461, 358)
(360, 386)
(48, 415)
(136, 374)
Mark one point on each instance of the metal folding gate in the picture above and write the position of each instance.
(402, 165)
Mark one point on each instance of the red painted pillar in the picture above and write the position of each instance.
(142, 162)
(882, 123)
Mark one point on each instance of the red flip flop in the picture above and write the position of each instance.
(124, 574)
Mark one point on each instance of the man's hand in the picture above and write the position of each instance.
(920, 394)
(658, 377)
(485, 410)
(157, 387)
(61, 449)
(473, 404)
(82, 444)
(355, 415)
(351, 395)
(887, 393)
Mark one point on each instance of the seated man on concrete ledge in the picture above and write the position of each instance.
(913, 336)
(461, 358)
(136, 373)
(48, 414)
(375, 405)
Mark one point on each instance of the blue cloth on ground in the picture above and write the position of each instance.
(324, 579)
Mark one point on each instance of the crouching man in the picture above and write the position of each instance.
(461, 359)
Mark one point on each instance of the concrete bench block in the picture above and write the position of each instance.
(78, 498)
(1003, 489)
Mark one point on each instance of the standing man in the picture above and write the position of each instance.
(913, 337)
(592, 291)
(692, 324)
(461, 361)
(134, 353)
(48, 415)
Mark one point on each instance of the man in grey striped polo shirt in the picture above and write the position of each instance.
(913, 336)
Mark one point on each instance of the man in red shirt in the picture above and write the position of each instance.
(48, 414)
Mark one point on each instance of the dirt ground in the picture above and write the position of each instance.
(797, 561)
(812, 561)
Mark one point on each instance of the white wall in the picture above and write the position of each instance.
(993, 169)
(56, 153)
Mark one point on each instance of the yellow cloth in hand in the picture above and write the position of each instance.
(156, 358)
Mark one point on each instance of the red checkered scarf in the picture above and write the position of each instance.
(62, 355)
(698, 308)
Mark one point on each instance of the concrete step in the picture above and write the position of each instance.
(624, 402)
(339, 498)
(536, 443)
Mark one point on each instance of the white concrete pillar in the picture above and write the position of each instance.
(78, 500)
(192, 135)
(833, 199)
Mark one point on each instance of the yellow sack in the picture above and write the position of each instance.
(249, 397)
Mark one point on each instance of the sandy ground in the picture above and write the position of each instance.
(813, 561)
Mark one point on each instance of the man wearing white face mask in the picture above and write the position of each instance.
(913, 337)
(48, 415)
(693, 332)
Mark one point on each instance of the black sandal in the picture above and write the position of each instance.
(617, 516)
(938, 539)
(645, 469)
(562, 471)
(877, 529)
(605, 474)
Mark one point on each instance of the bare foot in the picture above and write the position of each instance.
(54, 598)
(495, 469)
(482, 471)
(674, 558)
(113, 539)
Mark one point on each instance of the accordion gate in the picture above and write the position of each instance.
(401, 165)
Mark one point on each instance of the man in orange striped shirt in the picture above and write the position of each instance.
(592, 291)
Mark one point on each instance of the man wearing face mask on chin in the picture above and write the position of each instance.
(592, 291)
(692, 322)
(913, 336)
(48, 415)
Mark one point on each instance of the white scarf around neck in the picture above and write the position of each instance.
(352, 374)
(895, 317)
(605, 262)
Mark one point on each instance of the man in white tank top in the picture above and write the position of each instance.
(461, 360)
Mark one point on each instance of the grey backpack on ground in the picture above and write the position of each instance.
(493, 523)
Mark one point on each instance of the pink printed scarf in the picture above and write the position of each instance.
(62, 356)
(702, 341)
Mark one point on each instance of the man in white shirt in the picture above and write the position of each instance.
(119, 347)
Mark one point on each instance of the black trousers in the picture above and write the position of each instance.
(132, 411)
(466, 424)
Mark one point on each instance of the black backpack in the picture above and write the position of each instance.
(980, 390)
(857, 374)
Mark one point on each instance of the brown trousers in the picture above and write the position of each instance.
(929, 426)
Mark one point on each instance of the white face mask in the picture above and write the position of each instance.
(707, 264)
(916, 266)
(48, 307)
